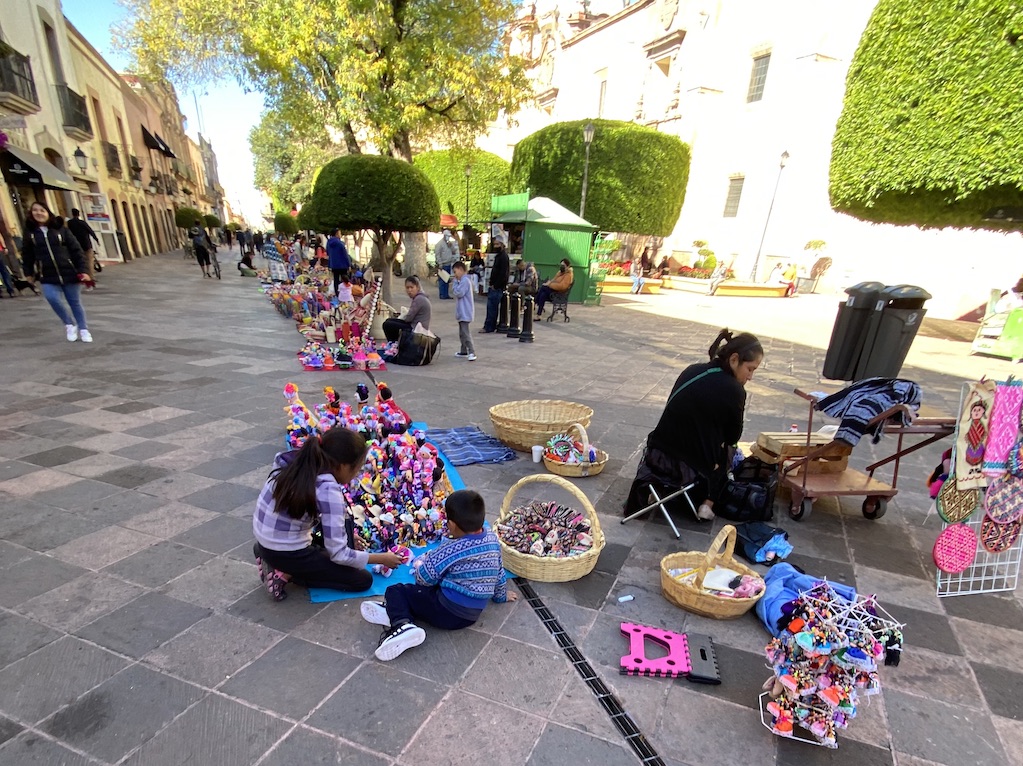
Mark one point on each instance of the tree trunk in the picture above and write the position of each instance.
(351, 142)
(415, 256)
(385, 248)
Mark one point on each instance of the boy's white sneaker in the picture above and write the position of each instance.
(375, 612)
(395, 641)
(86, 336)
(471, 357)
(72, 332)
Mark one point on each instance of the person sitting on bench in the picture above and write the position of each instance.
(523, 279)
(559, 283)
(701, 422)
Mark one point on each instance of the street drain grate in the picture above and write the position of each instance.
(607, 699)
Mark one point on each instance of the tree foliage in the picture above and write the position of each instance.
(446, 170)
(931, 128)
(637, 175)
(287, 155)
(285, 223)
(187, 217)
(211, 221)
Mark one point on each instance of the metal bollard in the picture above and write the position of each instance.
(526, 335)
(502, 314)
(514, 309)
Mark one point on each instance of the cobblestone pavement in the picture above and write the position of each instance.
(133, 628)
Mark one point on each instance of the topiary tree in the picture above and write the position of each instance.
(489, 175)
(384, 195)
(637, 175)
(187, 217)
(285, 223)
(931, 128)
(212, 222)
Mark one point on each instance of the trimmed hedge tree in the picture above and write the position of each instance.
(386, 196)
(285, 223)
(637, 178)
(446, 171)
(212, 222)
(932, 129)
(187, 217)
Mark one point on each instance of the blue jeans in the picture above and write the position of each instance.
(493, 307)
(444, 295)
(637, 285)
(5, 275)
(73, 295)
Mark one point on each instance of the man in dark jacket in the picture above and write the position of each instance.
(498, 281)
(84, 234)
(337, 257)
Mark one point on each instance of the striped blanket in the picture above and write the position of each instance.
(861, 402)
(467, 445)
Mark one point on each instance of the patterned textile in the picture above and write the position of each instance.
(467, 445)
(972, 435)
(860, 403)
(468, 569)
(1003, 427)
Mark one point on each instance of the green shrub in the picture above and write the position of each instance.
(446, 171)
(637, 175)
(931, 129)
(212, 222)
(285, 223)
(710, 261)
(187, 217)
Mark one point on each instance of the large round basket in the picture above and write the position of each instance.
(691, 596)
(525, 423)
(550, 569)
(578, 470)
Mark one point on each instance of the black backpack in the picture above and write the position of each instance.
(749, 494)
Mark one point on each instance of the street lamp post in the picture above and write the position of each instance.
(468, 173)
(756, 262)
(587, 139)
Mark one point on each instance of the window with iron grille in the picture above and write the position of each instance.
(758, 77)
(734, 195)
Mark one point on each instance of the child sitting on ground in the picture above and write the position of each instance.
(344, 289)
(453, 582)
(305, 488)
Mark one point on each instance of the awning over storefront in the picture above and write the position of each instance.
(150, 141)
(165, 147)
(24, 168)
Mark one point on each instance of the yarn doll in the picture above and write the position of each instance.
(940, 474)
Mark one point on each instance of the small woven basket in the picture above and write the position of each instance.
(525, 423)
(545, 568)
(691, 596)
(577, 470)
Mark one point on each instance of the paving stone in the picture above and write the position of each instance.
(833, 570)
(233, 580)
(58, 429)
(131, 477)
(1001, 689)
(143, 624)
(122, 712)
(263, 454)
(902, 560)
(52, 528)
(96, 465)
(688, 716)
(36, 686)
(224, 468)
(1012, 738)
(444, 657)
(285, 615)
(213, 649)
(362, 708)
(215, 731)
(167, 520)
(158, 564)
(221, 497)
(31, 484)
(8, 729)
(557, 741)
(742, 676)
(929, 631)
(145, 449)
(315, 749)
(989, 644)
(523, 624)
(935, 676)
(75, 495)
(896, 590)
(12, 469)
(20, 637)
(55, 457)
(129, 408)
(79, 602)
(941, 732)
(176, 486)
(1004, 611)
(217, 535)
(507, 672)
(119, 507)
(849, 752)
(590, 592)
(103, 547)
(36, 576)
(12, 555)
(31, 749)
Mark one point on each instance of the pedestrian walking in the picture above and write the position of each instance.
(83, 232)
(465, 309)
(203, 246)
(446, 253)
(52, 255)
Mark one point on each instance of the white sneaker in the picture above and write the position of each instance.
(395, 641)
(471, 357)
(72, 332)
(461, 355)
(86, 336)
(375, 612)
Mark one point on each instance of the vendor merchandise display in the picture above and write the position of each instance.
(571, 454)
(826, 661)
(546, 529)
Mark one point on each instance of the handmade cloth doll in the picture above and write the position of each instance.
(971, 442)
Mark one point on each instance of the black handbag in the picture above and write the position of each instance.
(415, 349)
(749, 492)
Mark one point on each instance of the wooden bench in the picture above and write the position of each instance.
(734, 289)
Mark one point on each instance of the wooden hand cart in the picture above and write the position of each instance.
(814, 466)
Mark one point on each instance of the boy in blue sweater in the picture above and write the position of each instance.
(453, 582)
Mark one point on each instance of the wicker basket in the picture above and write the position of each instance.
(549, 569)
(691, 596)
(578, 470)
(525, 423)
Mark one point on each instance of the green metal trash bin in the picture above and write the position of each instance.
(897, 317)
(850, 331)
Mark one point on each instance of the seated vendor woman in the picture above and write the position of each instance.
(702, 420)
(559, 283)
(419, 311)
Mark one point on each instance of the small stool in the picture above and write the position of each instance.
(559, 302)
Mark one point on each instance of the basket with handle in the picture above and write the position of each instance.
(690, 595)
(525, 423)
(582, 468)
(548, 568)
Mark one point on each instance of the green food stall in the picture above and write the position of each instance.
(543, 232)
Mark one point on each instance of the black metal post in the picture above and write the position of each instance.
(526, 335)
(502, 314)
(514, 309)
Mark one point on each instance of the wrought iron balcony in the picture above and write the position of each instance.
(17, 86)
(113, 159)
(76, 115)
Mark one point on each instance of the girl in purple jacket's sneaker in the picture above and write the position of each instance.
(305, 488)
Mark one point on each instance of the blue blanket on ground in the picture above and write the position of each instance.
(467, 445)
(784, 584)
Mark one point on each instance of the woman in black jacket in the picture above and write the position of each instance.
(701, 422)
(52, 255)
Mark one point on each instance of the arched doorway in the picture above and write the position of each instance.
(148, 226)
(158, 230)
(138, 225)
(136, 253)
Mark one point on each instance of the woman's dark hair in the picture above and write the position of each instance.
(294, 490)
(466, 508)
(31, 224)
(744, 344)
(568, 263)
(413, 280)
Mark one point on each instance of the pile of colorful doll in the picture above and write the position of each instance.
(563, 448)
(359, 353)
(546, 529)
(826, 660)
(398, 497)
